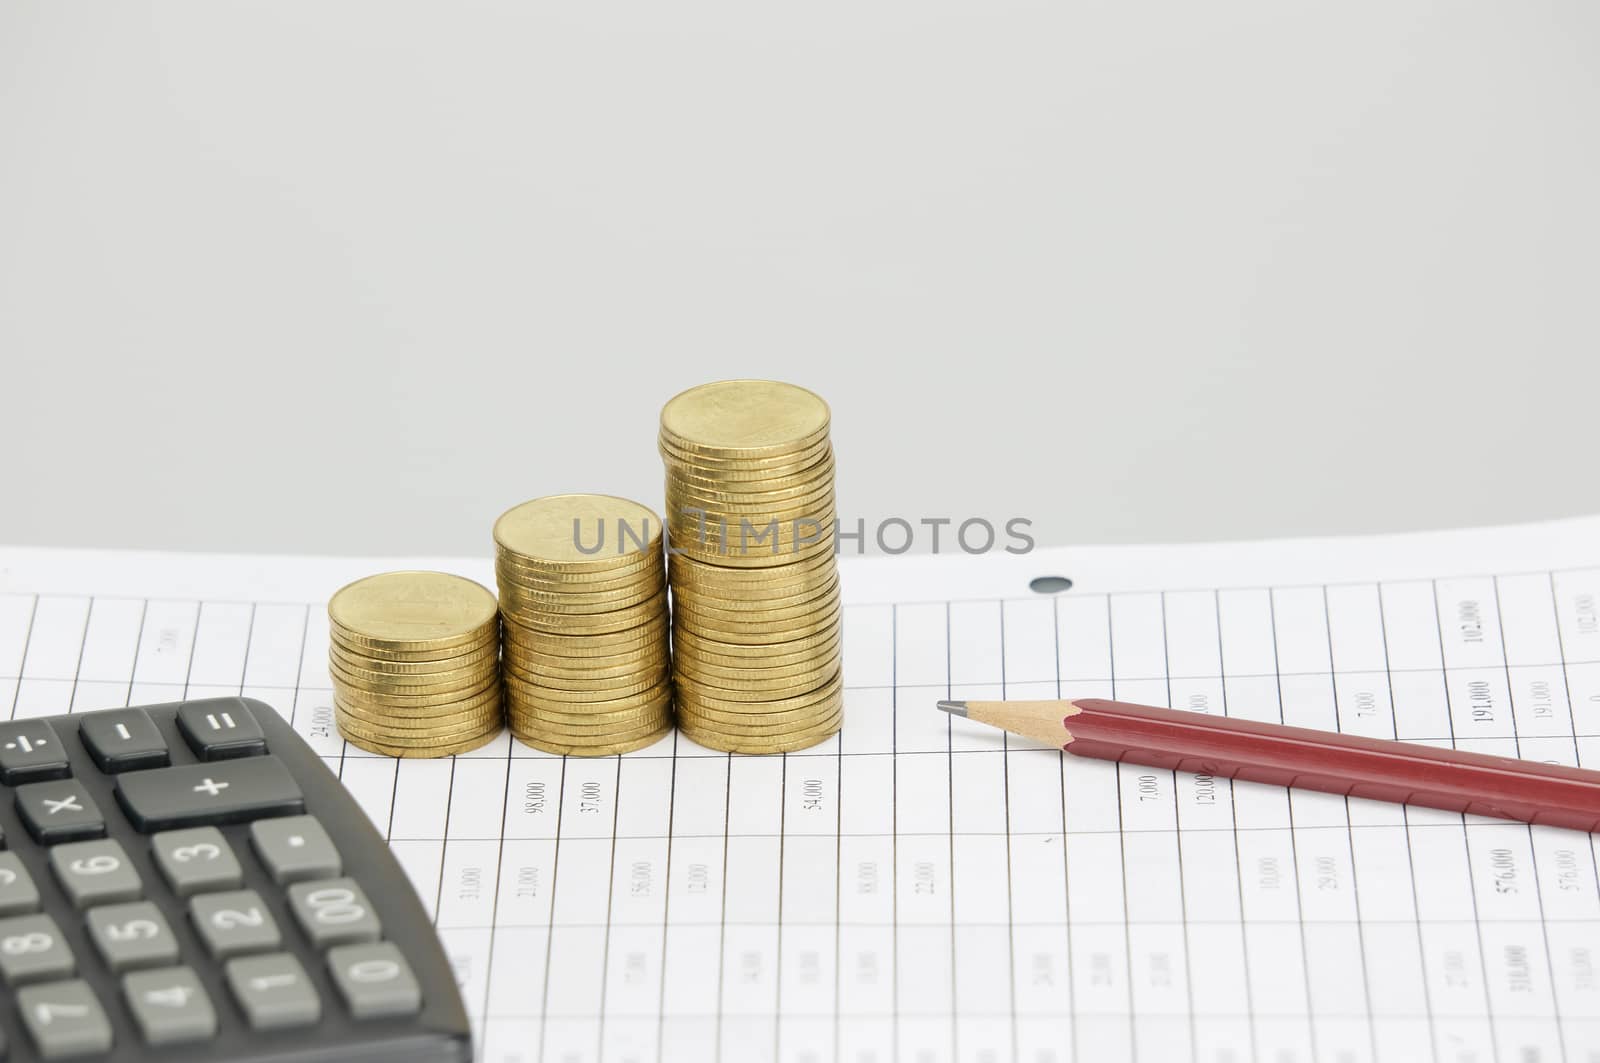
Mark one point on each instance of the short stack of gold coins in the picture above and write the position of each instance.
(583, 600)
(756, 616)
(415, 662)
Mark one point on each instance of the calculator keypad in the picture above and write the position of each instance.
(159, 903)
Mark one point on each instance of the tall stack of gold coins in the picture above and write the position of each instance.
(756, 617)
(415, 661)
(583, 598)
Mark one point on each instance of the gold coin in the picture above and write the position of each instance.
(412, 611)
(519, 602)
(594, 623)
(585, 722)
(578, 591)
(683, 496)
(643, 724)
(533, 697)
(758, 608)
(535, 671)
(715, 666)
(762, 529)
(733, 654)
(465, 745)
(583, 647)
(354, 659)
(419, 727)
(486, 643)
(508, 565)
(579, 532)
(424, 704)
(716, 554)
(645, 655)
(366, 727)
(814, 466)
(756, 724)
(760, 744)
(675, 451)
(606, 688)
(753, 686)
(567, 748)
(740, 417)
(760, 634)
(800, 700)
(412, 685)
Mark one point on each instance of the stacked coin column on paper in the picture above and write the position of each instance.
(415, 662)
(756, 616)
(584, 603)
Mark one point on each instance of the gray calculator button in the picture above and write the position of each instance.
(132, 935)
(295, 848)
(170, 1006)
(374, 980)
(334, 911)
(273, 991)
(64, 1019)
(18, 894)
(233, 923)
(95, 873)
(32, 949)
(196, 860)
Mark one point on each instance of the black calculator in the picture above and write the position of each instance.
(190, 882)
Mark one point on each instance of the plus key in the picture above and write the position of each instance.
(230, 791)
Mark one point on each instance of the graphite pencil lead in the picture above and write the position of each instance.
(954, 708)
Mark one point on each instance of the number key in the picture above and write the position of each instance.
(64, 1019)
(170, 1006)
(95, 873)
(32, 949)
(196, 860)
(374, 980)
(132, 935)
(18, 894)
(233, 923)
(273, 991)
(334, 911)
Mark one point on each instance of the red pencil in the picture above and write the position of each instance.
(1524, 790)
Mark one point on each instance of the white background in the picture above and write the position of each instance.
(356, 276)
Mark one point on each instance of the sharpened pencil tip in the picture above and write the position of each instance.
(954, 708)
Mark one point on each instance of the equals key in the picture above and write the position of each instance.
(222, 728)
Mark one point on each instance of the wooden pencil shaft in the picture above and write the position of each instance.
(1350, 765)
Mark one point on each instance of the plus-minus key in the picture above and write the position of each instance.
(232, 791)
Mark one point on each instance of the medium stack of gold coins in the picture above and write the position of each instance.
(583, 598)
(756, 617)
(415, 661)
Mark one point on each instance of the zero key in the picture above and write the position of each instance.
(221, 729)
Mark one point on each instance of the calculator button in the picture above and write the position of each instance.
(30, 752)
(374, 980)
(334, 911)
(221, 729)
(64, 1019)
(59, 812)
(32, 950)
(122, 740)
(197, 794)
(169, 1006)
(273, 991)
(18, 894)
(196, 860)
(132, 935)
(233, 923)
(95, 873)
(295, 848)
